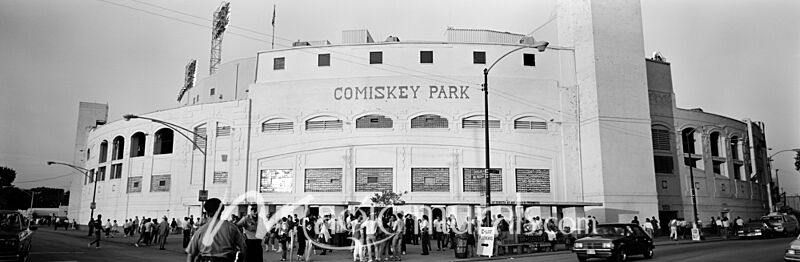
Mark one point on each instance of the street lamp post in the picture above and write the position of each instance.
(178, 129)
(769, 163)
(539, 45)
(691, 179)
(85, 172)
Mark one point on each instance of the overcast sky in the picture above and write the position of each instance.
(740, 59)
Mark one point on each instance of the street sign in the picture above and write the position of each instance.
(695, 234)
(93, 205)
(203, 195)
(486, 241)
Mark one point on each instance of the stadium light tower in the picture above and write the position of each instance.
(221, 19)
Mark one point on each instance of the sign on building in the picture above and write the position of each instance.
(485, 241)
(276, 180)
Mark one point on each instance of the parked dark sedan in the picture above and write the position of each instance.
(756, 229)
(614, 241)
(15, 237)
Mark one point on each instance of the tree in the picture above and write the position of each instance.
(7, 176)
(797, 162)
(388, 198)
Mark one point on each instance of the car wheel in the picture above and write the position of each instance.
(648, 254)
(621, 256)
(582, 259)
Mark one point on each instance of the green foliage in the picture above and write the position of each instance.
(388, 198)
(7, 176)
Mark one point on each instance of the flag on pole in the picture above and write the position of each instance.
(273, 15)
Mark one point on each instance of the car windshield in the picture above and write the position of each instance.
(773, 219)
(609, 231)
(10, 221)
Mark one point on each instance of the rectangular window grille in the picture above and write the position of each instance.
(468, 123)
(373, 179)
(159, 183)
(223, 130)
(430, 180)
(532, 125)
(323, 180)
(276, 180)
(116, 171)
(324, 125)
(374, 121)
(101, 173)
(529, 59)
(279, 126)
(220, 177)
(224, 158)
(426, 57)
(324, 60)
(279, 63)
(429, 121)
(212, 91)
(533, 180)
(134, 184)
(661, 140)
(198, 139)
(474, 180)
(376, 57)
(663, 164)
(479, 57)
(664, 184)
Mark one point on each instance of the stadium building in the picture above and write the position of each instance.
(587, 127)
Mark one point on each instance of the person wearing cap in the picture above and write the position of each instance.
(249, 224)
(225, 238)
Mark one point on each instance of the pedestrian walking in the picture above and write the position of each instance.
(310, 232)
(283, 237)
(162, 232)
(358, 239)
(249, 225)
(91, 227)
(398, 226)
(227, 240)
(187, 232)
(726, 225)
(673, 229)
(648, 227)
(424, 227)
(97, 231)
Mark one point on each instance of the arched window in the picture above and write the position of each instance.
(374, 121)
(201, 133)
(277, 124)
(103, 151)
(429, 121)
(717, 144)
(478, 121)
(324, 123)
(137, 144)
(119, 147)
(163, 143)
(531, 123)
(735, 154)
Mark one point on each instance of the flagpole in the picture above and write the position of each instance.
(273, 26)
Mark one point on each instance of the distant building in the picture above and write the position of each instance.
(728, 157)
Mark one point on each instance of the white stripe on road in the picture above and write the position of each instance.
(56, 252)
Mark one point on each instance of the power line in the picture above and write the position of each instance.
(43, 179)
(181, 20)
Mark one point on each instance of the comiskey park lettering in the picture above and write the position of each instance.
(400, 92)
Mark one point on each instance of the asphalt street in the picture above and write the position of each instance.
(71, 246)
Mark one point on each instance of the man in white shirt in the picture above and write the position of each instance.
(371, 228)
(438, 233)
